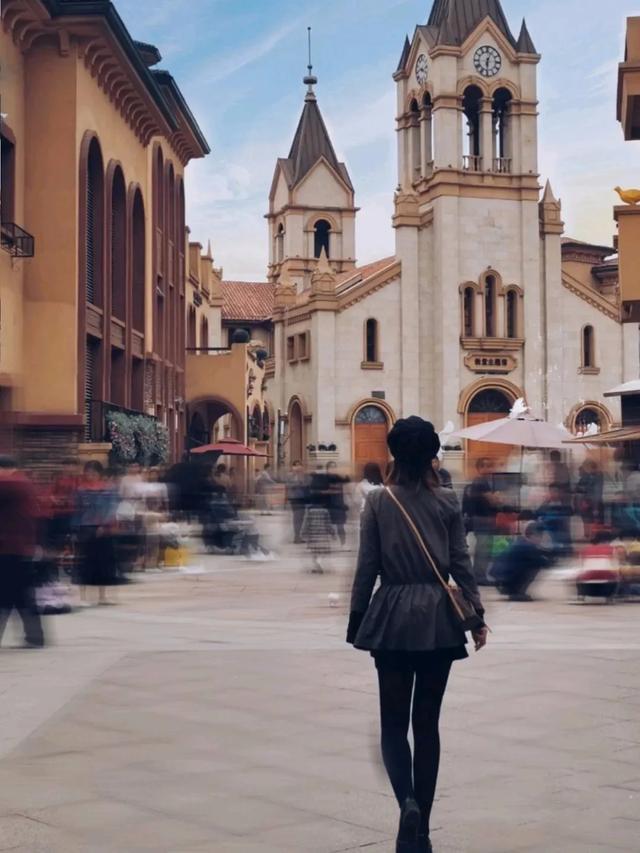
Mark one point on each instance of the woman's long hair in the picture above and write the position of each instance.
(413, 473)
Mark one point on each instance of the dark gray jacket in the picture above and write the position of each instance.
(410, 610)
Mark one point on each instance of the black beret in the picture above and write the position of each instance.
(413, 440)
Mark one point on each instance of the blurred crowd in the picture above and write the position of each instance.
(76, 537)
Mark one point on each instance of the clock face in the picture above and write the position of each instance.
(487, 61)
(422, 69)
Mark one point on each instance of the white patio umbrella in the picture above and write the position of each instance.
(523, 431)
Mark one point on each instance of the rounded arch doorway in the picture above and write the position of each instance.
(487, 404)
(370, 430)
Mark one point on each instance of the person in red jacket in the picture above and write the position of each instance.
(18, 528)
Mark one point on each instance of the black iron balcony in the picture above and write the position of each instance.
(15, 240)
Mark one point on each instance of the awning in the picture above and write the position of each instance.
(632, 387)
(612, 436)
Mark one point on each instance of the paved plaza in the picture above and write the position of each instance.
(223, 712)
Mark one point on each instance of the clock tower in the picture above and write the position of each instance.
(466, 213)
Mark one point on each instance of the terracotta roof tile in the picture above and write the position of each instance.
(247, 300)
(362, 273)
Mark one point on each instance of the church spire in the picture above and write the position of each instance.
(310, 80)
(451, 21)
(525, 42)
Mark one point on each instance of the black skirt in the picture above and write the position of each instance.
(417, 661)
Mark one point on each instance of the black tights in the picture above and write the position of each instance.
(427, 687)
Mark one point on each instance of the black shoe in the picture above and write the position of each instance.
(409, 826)
(424, 845)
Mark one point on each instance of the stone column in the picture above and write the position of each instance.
(487, 136)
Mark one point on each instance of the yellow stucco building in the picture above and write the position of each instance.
(95, 282)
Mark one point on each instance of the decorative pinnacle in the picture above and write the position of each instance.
(310, 80)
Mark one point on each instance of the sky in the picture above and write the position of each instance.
(240, 65)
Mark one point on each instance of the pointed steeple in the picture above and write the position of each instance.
(525, 42)
(550, 212)
(323, 278)
(406, 50)
(451, 21)
(548, 196)
(311, 140)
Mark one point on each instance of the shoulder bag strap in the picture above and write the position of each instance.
(425, 550)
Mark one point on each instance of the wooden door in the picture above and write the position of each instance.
(370, 432)
(497, 453)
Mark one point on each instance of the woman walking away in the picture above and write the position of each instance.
(412, 536)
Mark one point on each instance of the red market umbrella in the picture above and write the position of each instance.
(228, 447)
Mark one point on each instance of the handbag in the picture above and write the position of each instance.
(464, 612)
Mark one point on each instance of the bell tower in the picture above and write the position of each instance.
(466, 220)
(311, 203)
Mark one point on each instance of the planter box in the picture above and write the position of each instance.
(323, 456)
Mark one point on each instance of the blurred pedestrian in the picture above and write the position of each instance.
(371, 480)
(555, 515)
(335, 500)
(409, 626)
(221, 478)
(479, 507)
(264, 486)
(559, 473)
(96, 524)
(18, 531)
(516, 568)
(297, 495)
(589, 494)
(446, 481)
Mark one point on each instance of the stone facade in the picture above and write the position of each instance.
(484, 300)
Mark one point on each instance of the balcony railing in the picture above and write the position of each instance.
(15, 240)
(502, 165)
(472, 163)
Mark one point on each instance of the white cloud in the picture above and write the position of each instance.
(244, 55)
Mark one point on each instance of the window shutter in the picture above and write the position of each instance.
(89, 377)
(90, 239)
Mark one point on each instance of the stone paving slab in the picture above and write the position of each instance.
(227, 715)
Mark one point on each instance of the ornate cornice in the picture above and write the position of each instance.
(591, 296)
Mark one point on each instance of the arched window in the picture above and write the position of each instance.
(138, 259)
(118, 246)
(204, 333)
(7, 174)
(490, 306)
(94, 224)
(191, 329)
(371, 415)
(490, 401)
(471, 142)
(279, 255)
(512, 314)
(468, 312)
(371, 353)
(414, 136)
(159, 254)
(501, 116)
(321, 233)
(427, 135)
(266, 425)
(586, 418)
(588, 347)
